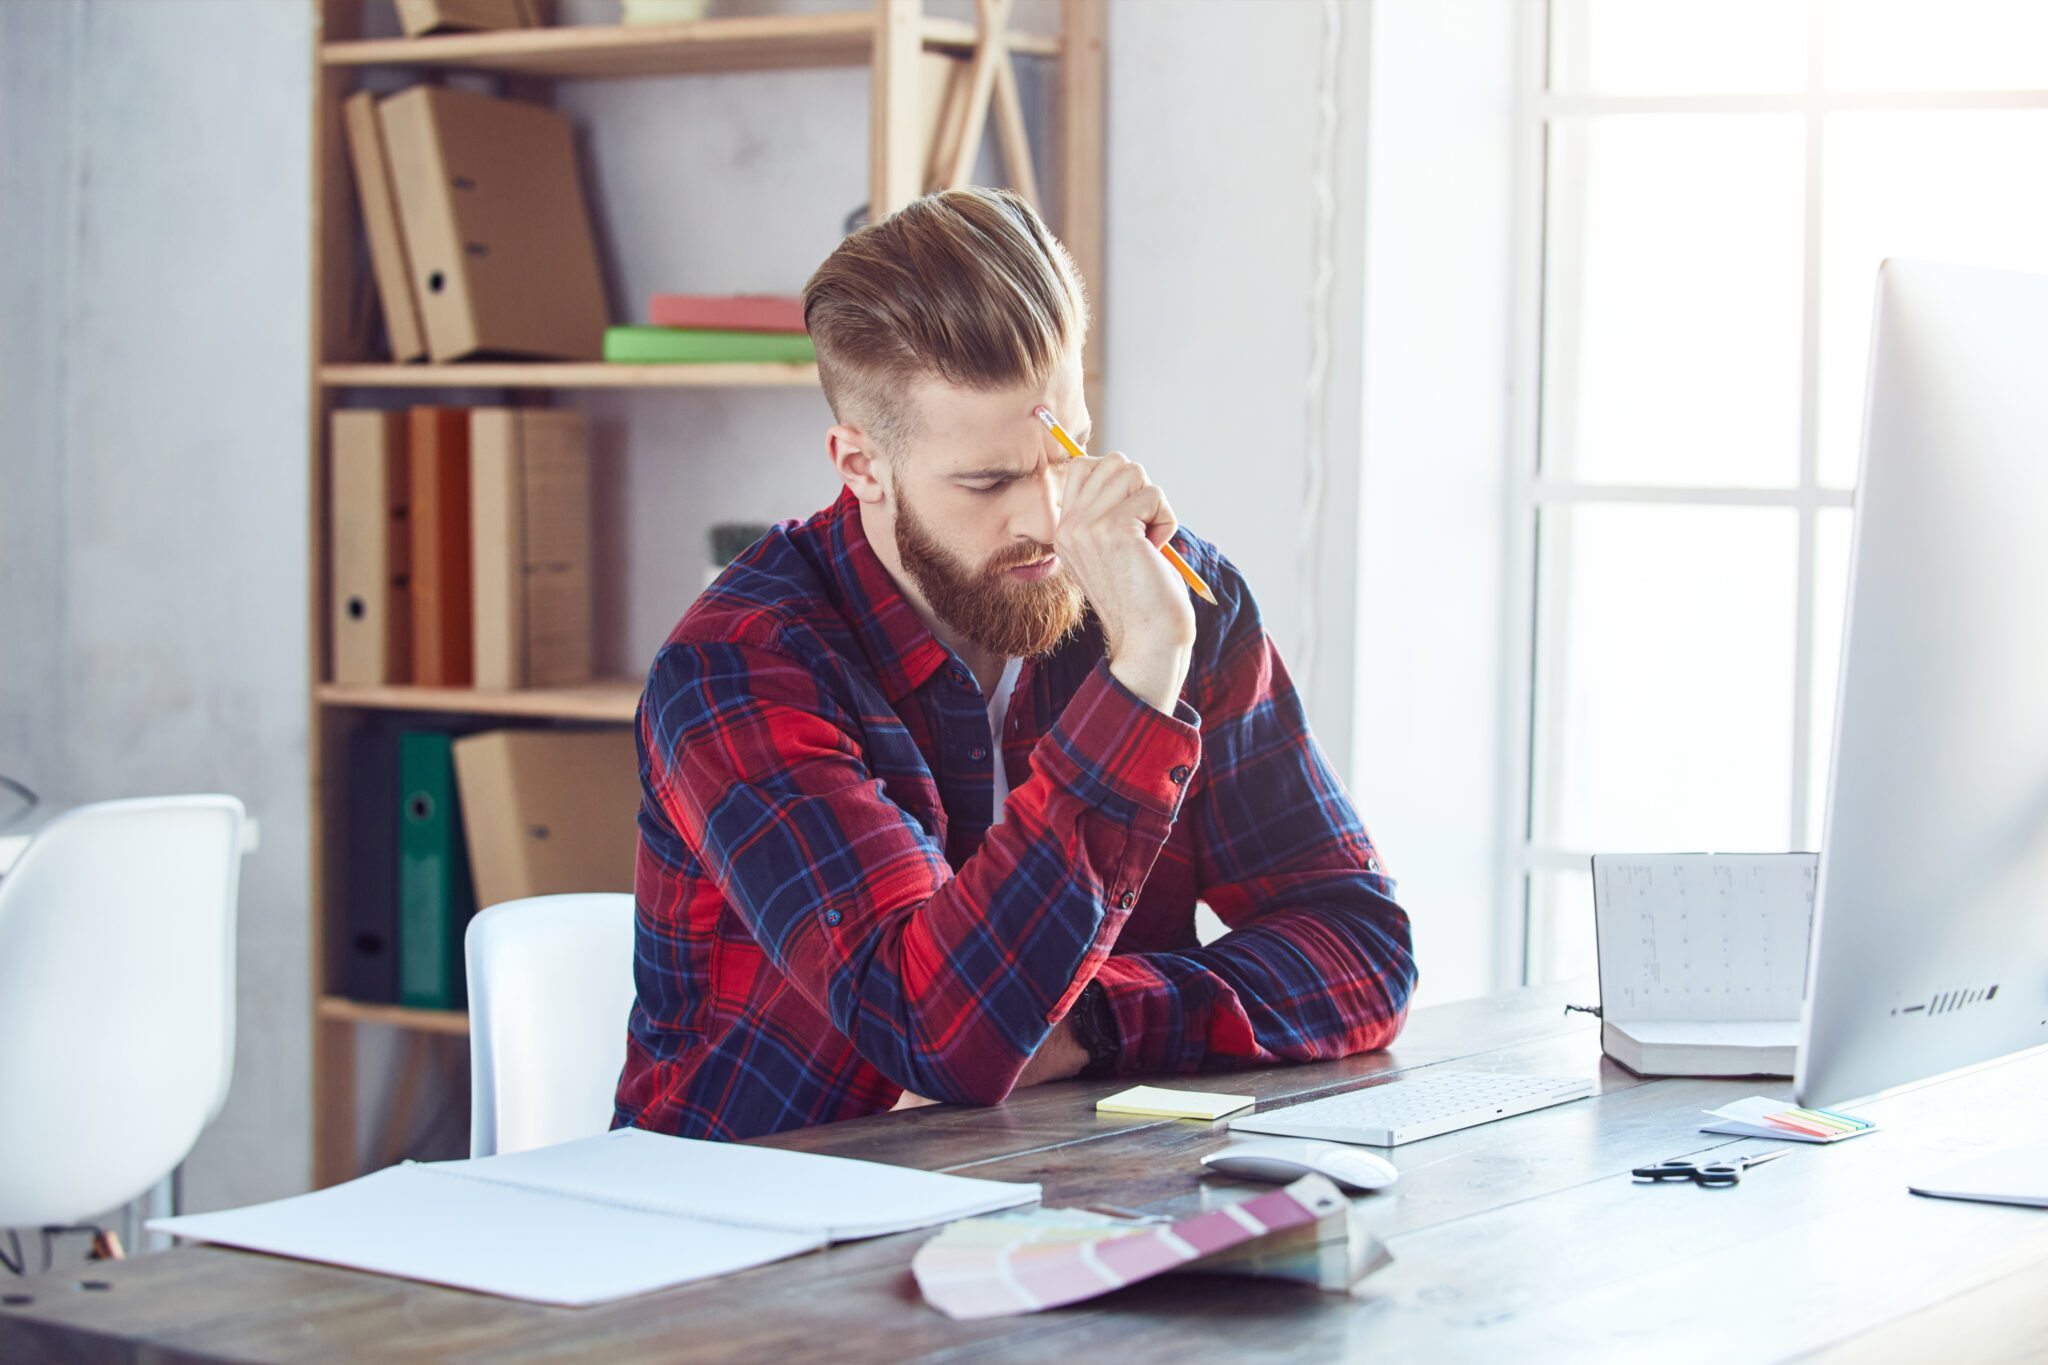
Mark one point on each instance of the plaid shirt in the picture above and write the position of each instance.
(827, 917)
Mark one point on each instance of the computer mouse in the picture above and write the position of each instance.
(1282, 1159)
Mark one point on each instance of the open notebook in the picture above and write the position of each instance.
(1703, 960)
(599, 1218)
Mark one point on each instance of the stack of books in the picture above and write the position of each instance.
(686, 329)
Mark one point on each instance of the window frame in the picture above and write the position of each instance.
(1523, 945)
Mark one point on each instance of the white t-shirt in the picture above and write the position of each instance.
(998, 712)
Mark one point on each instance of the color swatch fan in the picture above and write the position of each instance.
(1047, 1258)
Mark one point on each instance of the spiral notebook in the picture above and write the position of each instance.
(599, 1218)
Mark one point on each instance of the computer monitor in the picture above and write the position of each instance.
(1930, 929)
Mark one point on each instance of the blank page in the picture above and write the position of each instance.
(751, 1186)
(523, 1244)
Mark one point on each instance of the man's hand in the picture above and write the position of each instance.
(1113, 520)
(1061, 1054)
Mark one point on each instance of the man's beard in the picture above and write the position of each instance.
(1010, 619)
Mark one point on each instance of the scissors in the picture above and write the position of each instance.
(1711, 1174)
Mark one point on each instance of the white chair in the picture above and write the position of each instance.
(550, 986)
(117, 1001)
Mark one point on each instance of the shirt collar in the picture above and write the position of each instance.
(899, 644)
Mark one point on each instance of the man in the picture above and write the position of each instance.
(934, 780)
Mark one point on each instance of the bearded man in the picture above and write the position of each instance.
(935, 779)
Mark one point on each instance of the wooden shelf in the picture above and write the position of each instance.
(604, 700)
(397, 1016)
(547, 375)
(769, 42)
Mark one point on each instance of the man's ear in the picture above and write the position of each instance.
(854, 462)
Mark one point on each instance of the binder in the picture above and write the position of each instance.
(418, 17)
(369, 916)
(380, 224)
(530, 547)
(549, 811)
(495, 226)
(438, 518)
(369, 612)
(434, 896)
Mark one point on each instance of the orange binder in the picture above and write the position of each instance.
(439, 518)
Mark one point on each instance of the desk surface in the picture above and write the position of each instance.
(1522, 1239)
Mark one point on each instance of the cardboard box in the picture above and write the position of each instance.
(549, 811)
(496, 231)
(530, 541)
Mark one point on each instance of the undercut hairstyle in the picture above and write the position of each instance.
(968, 286)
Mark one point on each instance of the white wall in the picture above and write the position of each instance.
(152, 350)
(1431, 521)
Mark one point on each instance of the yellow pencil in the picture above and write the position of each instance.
(1059, 433)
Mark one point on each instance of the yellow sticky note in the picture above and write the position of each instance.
(1173, 1104)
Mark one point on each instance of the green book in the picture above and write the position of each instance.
(701, 346)
(434, 896)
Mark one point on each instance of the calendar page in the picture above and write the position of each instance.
(1702, 936)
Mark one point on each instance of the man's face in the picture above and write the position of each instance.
(976, 499)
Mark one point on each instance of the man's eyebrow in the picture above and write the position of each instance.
(992, 472)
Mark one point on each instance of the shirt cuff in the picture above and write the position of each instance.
(1122, 754)
(1159, 1029)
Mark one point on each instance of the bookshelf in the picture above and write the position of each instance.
(543, 375)
(908, 53)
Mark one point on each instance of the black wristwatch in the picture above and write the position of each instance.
(1095, 1029)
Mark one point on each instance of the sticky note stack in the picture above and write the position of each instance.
(1158, 1102)
(1768, 1118)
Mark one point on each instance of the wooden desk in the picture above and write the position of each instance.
(1518, 1240)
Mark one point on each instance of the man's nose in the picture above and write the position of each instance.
(1040, 518)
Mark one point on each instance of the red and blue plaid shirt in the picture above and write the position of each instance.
(828, 916)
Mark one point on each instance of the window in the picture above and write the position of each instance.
(1707, 189)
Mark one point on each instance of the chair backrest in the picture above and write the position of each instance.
(550, 986)
(117, 1001)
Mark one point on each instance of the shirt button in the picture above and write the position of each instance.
(958, 675)
(1180, 773)
(978, 754)
(1127, 900)
(831, 917)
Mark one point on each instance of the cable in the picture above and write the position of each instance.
(1317, 395)
(28, 796)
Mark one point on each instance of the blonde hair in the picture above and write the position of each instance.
(966, 285)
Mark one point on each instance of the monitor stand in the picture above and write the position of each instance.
(2017, 1175)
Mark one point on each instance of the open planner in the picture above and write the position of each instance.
(599, 1218)
(1703, 960)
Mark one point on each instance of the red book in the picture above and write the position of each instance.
(729, 313)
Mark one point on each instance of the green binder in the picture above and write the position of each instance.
(702, 346)
(434, 896)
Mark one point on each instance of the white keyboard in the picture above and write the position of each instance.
(1394, 1112)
